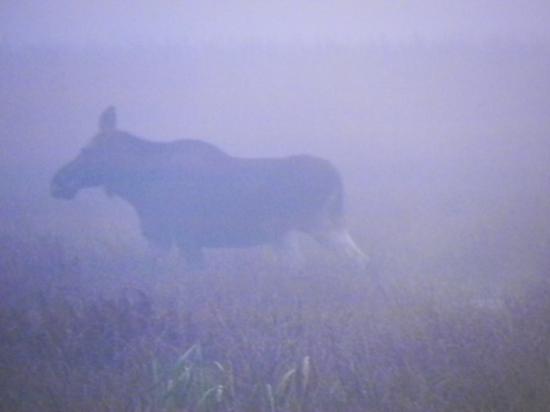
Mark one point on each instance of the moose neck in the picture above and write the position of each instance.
(126, 180)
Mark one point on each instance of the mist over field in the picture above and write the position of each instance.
(439, 126)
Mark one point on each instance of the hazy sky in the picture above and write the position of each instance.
(173, 21)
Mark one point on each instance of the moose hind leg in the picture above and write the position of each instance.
(341, 242)
(288, 251)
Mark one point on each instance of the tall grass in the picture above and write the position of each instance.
(247, 336)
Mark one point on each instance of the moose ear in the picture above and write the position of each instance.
(107, 120)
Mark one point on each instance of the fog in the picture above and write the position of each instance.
(349, 21)
(435, 114)
(443, 141)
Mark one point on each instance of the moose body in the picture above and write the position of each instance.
(193, 195)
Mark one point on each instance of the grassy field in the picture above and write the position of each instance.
(247, 335)
(445, 155)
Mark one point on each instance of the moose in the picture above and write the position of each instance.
(190, 194)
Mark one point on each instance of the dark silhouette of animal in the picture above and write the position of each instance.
(190, 194)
